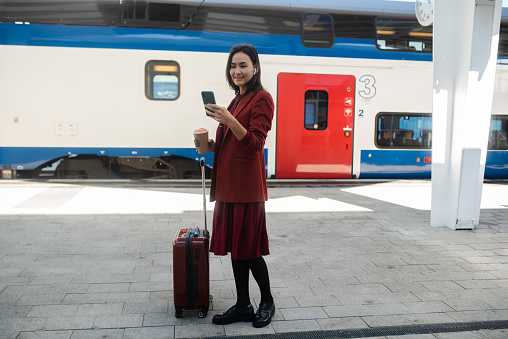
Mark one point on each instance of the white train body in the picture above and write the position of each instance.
(60, 101)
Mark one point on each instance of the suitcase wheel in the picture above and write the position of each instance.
(179, 312)
(203, 312)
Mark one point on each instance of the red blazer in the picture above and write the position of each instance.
(239, 173)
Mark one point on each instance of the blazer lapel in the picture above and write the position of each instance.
(243, 102)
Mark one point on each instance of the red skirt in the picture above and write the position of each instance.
(240, 229)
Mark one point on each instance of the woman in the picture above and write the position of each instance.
(239, 185)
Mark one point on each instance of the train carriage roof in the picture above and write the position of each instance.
(370, 7)
(405, 7)
(178, 14)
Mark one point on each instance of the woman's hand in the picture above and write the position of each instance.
(220, 114)
(223, 116)
(211, 145)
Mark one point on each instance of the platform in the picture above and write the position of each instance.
(94, 259)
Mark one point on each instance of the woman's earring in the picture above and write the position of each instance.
(255, 71)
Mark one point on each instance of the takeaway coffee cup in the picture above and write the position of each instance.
(201, 140)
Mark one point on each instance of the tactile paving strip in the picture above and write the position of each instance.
(384, 331)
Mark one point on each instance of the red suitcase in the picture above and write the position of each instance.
(191, 267)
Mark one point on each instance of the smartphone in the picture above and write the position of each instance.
(208, 98)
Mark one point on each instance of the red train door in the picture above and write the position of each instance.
(315, 116)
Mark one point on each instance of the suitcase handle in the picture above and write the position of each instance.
(202, 163)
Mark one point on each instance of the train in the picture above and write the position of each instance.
(95, 89)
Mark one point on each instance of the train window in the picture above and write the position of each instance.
(316, 110)
(403, 130)
(162, 80)
(498, 134)
(503, 40)
(402, 34)
(163, 12)
(354, 26)
(411, 130)
(317, 30)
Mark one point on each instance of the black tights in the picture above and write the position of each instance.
(259, 272)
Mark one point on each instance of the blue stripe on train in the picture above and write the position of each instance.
(497, 165)
(375, 164)
(30, 158)
(409, 164)
(395, 164)
(192, 41)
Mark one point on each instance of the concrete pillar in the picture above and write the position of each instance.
(466, 37)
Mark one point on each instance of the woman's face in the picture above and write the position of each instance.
(242, 70)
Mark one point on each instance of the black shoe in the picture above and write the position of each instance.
(234, 315)
(264, 315)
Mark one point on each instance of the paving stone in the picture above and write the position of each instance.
(442, 285)
(329, 324)
(495, 334)
(151, 286)
(502, 283)
(246, 328)
(40, 299)
(120, 320)
(51, 280)
(9, 333)
(469, 316)
(349, 299)
(19, 290)
(405, 286)
(45, 335)
(387, 320)
(399, 297)
(160, 319)
(161, 296)
(288, 302)
(98, 333)
(8, 299)
(49, 311)
(497, 303)
(97, 298)
(161, 332)
(14, 311)
(476, 284)
(106, 288)
(321, 300)
(428, 306)
(199, 331)
(68, 323)
(295, 326)
(142, 308)
(465, 303)
(99, 309)
(366, 310)
(110, 278)
(303, 313)
(500, 274)
(461, 335)
(168, 277)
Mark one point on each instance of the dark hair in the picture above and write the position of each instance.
(255, 83)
